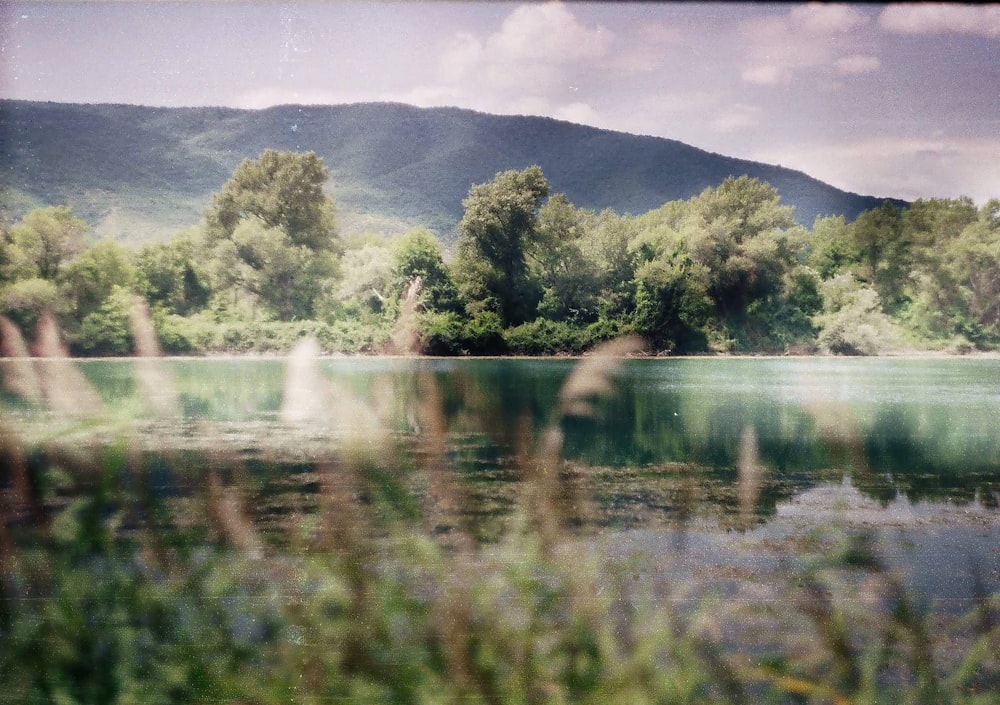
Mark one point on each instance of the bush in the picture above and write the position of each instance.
(545, 337)
(107, 331)
(441, 334)
(852, 322)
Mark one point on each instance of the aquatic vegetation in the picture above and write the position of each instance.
(131, 575)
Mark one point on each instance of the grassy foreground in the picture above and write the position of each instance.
(128, 577)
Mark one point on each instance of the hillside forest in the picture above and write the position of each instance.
(727, 270)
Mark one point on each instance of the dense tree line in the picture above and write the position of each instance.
(727, 271)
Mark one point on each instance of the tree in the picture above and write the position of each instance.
(418, 254)
(498, 225)
(173, 274)
(263, 262)
(885, 253)
(283, 190)
(89, 279)
(737, 231)
(672, 303)
(42, 242)
(569, 280)
(270, 234)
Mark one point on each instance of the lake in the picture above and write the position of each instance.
(742, 458)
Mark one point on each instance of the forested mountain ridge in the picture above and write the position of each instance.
(139, 173)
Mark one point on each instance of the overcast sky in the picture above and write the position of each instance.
(883, 100)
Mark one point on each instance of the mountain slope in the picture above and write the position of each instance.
(139, 173)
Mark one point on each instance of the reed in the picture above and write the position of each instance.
(134, 577)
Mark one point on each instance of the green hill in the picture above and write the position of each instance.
(140, 173)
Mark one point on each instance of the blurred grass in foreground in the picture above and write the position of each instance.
(132, 578)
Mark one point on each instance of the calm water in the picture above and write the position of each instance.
(907, 448)
(925, 430)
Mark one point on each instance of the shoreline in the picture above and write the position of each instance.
(893, 355)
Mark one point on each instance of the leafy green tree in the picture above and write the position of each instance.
(283, 190)
(106, 330)
(89, 279)
(25, 300)
(569, 280)
(418, 254)
(970, 293)
(832, 248)
(852, 321)
(606, 243)
(885, 253)
(494, 234)
(42, 242)
(263, 262)
(672, 303)
(738, 233)
(271, 237)
(365, 279)
(173, 274)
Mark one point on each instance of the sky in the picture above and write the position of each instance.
(884, 100)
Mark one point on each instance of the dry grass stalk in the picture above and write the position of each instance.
(18, 374)
(66, 391)
(405, 338)
(444, 497)
(156, 385)
(302, 401)
(592, 376)
(226, 510)
(751, 475)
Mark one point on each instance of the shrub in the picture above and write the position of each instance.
(545, 337)
(852, 322)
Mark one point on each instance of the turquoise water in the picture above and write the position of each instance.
(922, 429)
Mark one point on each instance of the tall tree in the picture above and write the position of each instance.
(499, 222)
(737, 231)
(283, 190)
(569, 280)
(43, 241)
(271, 233)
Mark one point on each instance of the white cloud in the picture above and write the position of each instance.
(547, 32)
(462, 55)
(857, 64)
(901, 168)
(981, 20)
(825, 19)
(735, 118)
(537, 52)
(806, 37)
(766, 75)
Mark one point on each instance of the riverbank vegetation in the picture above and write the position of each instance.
(727, 271)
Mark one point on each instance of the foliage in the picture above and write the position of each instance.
(726, 271)
(546, 337)
(173, 274)
(494, 235)
(284, 190)
(106, 331)
(42, 242)
(672, 304)
(25, 300)
(418, 254)
(852, 322)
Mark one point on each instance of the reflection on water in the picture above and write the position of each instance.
(674, 436)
